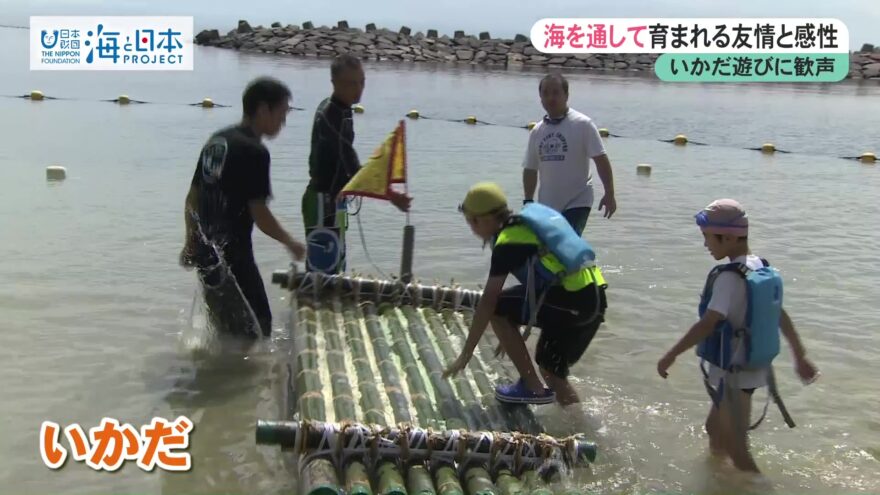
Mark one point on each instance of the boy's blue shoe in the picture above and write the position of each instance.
(518, 393)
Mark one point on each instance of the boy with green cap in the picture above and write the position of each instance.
(731, 335)
(571, 308)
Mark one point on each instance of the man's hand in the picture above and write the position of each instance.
(400, 200)
(297, 250)
(609, 204)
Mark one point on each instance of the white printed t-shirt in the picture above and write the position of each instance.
(561, 153)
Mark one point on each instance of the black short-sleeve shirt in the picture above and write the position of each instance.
(233, 169)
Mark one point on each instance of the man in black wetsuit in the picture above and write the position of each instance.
(332, 163)
(228, 194)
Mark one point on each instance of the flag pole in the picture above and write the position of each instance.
(409, 231)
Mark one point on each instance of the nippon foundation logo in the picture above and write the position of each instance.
(711, 49)
(111, 444)
(111, 43)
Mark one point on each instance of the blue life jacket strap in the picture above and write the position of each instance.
(772, 393)
(715, 395)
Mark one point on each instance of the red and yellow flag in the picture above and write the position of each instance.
(386, 166)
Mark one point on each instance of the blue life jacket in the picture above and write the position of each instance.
(760, 334)
(558, 236)
(563, 257)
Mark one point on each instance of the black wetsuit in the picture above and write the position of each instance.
(332, 163)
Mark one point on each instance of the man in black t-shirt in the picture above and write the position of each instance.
(228, 194)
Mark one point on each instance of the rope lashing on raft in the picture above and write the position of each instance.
(316, 284)
(406, 444)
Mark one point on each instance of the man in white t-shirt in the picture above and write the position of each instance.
(559, 153)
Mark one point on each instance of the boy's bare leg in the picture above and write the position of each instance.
(515, 347)
(565, 393)
(713, 429)
(735, 416)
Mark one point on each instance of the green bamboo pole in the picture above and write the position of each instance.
(462, 384)
(310, 400)
(357, 480)
(343, 401)
(390, 480)
(508, 484)
(371, 402)
(500, 417)
(447, 481)
(318, 476)
(478, 481)
(387, 368)
(419, 482)
(520, 417)
(534, 483)
(421, 400)
(498, 420)
(449, 407)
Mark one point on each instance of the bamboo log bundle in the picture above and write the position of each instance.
(462, 384)
(380, 348)
(371, 403)
(387, 367)
(499, 417)
(318, 476)
(521, 417)
(357, 480)
(419, 395)
(449, 407)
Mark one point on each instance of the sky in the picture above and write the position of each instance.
(502, 18)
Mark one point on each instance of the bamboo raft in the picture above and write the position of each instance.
(369, 412)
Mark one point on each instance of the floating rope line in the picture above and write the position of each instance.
(681, 140)
(124, 100)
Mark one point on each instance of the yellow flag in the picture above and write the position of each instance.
(386, 166)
